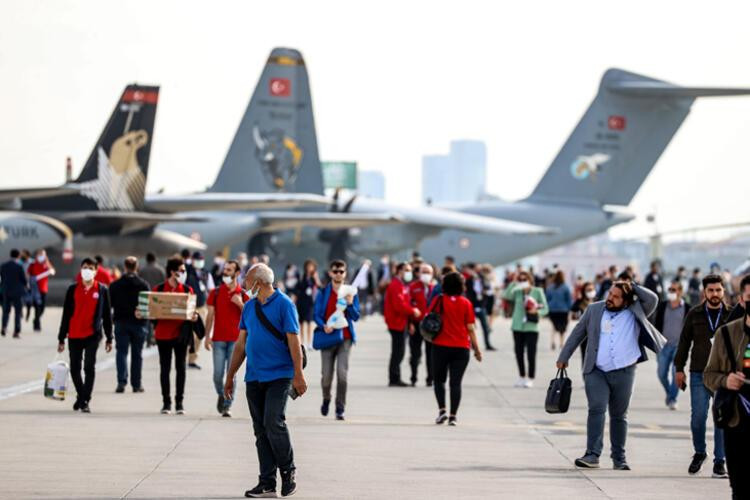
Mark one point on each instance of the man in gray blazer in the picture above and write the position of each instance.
(618, 334)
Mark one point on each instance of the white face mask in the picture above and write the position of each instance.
(408, 276)
(243, 262)
(181, 278)
(87, 274)
(591, 294)
(253, 294)
(524, 285)
(671, 296)
(199, 264)
(219, 261)
(425, 278)
(41, 258)
(227, 280)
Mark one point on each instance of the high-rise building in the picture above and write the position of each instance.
(457, 177)
(371, 183)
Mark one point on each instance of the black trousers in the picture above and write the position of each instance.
(17, 305)
(453, 361)
(39, 310)
(83, 351)
(526, 341)
(736, 446)
(481, 315)
(166, 347)
(398, 348)
(415, 355)
(267, 403)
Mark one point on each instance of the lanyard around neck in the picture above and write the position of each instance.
(711, 324)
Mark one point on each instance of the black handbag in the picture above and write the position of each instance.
(275, 331)
(432, 323)
(725, 400)
(558, 393)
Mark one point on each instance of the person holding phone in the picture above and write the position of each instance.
(273, 373)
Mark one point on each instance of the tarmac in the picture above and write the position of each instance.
(505, 445)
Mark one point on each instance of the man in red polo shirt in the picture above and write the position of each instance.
(39, 272)
(86, 313)
(224, 313)
(420, 290)
(167, 334)
(397, 311)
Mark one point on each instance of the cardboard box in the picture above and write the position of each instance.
(164, 305)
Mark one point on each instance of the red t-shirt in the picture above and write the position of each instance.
(226, 313)
(82, 321)
(457, 313)
(103, 275)
(36, 269)
(169, 329)
(331, 308)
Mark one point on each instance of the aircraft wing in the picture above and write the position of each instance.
(128, 222)
(29, 193)
(280, 221)
(233, 201)
(448, 219)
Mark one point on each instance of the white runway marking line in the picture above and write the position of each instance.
(37, 385)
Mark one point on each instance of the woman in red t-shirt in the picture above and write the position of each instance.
(450, 349)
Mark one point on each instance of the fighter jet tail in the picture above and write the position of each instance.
(275, 148)
(619, 139)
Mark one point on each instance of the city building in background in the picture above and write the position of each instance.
(457, 177)
(371, 183)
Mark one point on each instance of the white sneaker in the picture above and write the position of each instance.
(529, 383)
(521, 382)
(673, 405)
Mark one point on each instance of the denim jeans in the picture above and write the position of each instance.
(267, 403)
(608, 389)
(666, 371)
(127, 335)
(700, 401)
(222, 357)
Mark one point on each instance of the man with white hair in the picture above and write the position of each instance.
(269, 330)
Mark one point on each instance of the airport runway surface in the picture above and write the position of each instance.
(505, 446)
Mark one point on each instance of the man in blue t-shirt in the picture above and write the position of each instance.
(274, 368)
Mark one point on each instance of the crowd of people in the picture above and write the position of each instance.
(618, 316)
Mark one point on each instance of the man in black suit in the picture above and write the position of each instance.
(14, 285)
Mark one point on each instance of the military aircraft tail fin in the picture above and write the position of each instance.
(619, 139)
(275, 148)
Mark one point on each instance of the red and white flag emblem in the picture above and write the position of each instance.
(280, 87)
(616, 122)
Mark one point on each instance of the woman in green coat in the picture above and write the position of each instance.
(529, 304)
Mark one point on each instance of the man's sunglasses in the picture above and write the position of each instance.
(338, 271)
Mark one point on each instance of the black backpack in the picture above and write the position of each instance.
(432, 323)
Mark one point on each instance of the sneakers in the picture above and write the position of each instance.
(324, 407)
(166, 409)
(76, 405)
(262, 491)
(288, 484)
(120, 389)
(3, 333)
(521, 382)
(672, 405)
(452, 421)
(622, 465)
(179, 410)
(529, 383)
(85, 407)
(226, 413)
(588, 461)
(697, 463)
(398, 383)
(339, 412)
(138, 389)
(220, 405)
(441, 418)
(720, 471)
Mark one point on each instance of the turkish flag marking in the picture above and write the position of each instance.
(616, 122)
(280, 87)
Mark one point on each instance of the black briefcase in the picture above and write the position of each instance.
(558, 393)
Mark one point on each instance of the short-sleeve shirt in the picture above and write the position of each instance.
(457, 313)
(226, 313)
(268, 358)
(169, 329)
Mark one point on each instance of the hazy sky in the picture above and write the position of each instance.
(391, 81)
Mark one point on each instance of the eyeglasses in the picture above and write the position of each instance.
(673, 290)
(338, 271)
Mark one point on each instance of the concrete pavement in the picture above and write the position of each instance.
(505, 446)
